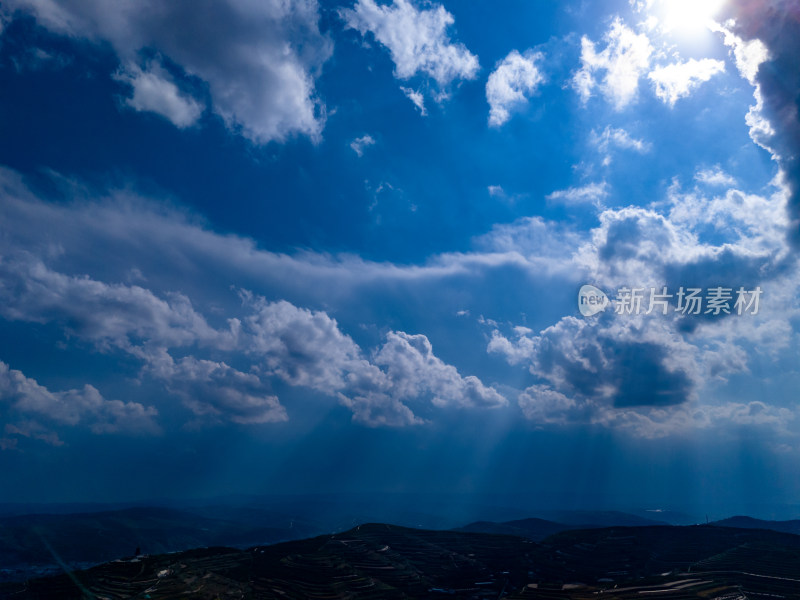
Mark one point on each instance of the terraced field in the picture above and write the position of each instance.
(373, 562)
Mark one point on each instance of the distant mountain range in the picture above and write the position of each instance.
(37, 544)
(538, 529)
(792, 526)
(41, 542)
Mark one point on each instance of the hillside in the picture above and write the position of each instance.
(384, 561)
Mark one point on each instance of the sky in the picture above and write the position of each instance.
(289, 246)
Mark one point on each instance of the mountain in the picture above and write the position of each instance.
(598, 518)
(532, 529)
(377, 561)
(751, 523)
(42, 542)
(538, 529)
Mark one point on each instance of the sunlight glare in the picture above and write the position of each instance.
(688, 16)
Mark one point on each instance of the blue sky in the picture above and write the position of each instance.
(253, 247)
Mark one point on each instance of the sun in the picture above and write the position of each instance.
(687, 16)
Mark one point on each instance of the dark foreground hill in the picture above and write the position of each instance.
(387, 562)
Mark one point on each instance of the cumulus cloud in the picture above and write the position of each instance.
(510, 85)
(221, 362)
(301, 347)
(110, 315)
(217, 392)
(358, 144)
(258, 59)
(678, 80)
(638, 375)
(622, 364)
(765, 40)
(414, 370)
(621, 63)
(307, 348)
(31, 410)
(649, 374)
(155, 91)
(417, 41)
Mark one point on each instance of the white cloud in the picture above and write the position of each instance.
(748, 55)
(510, 85)
(155, 91)
(214, 391)
(360, 143)
(301, 347)
(715, 177)
(225, 358)
(496, 191)
(611, 138)
(259, 59)
(625, 58)
(591, 193)
(31, 410)
(678, 80)
(414, 371)
(417, 98)
(756, 224)
(417, 39)
(109, 315)
(638, 377)
(307, 348)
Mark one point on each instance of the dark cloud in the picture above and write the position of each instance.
(776, 23)
(607, 363)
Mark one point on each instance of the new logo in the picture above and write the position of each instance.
(591, 300)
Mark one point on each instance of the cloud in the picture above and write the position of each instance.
(414, 371)
(611, 138)
(715, 176)
(360, 143)
(591, 193)
(301, 347)
(748, 55)
(109, 315)
(755, 224)
(155, 91)
(510, 85)
(638, 377)
(307, 348)
(165, 246)
(417, 98)
(31, 410)
(623, 61)
(258, 59)
(678, 80)
(496, 191)
(221, 357)
(651, 374)
(417, 41)
(216, 392)
(765, 38)
(621, 364)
